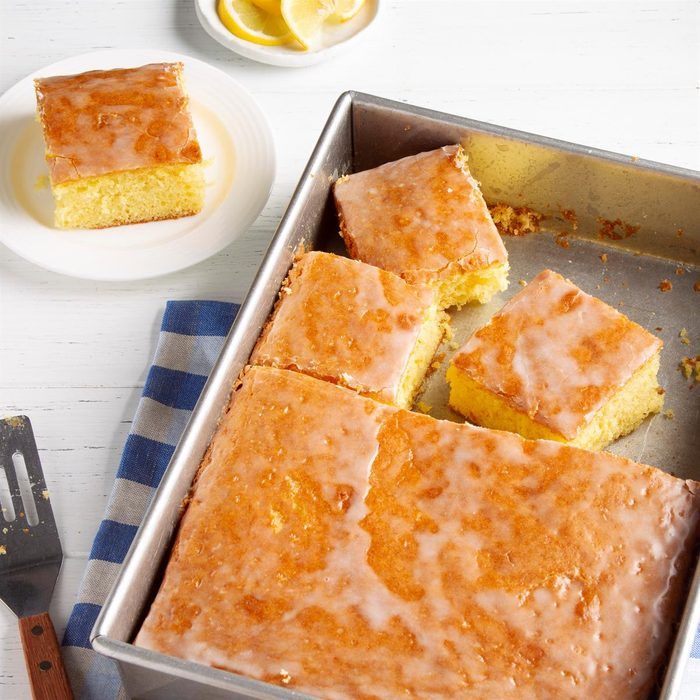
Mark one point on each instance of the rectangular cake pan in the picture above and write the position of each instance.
(605, 195)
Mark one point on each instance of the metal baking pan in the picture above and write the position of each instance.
(604, 193)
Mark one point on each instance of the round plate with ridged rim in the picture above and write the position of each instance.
(237, 148)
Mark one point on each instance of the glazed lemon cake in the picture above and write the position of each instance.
(424, 218)
(356, 325)
(120, 146)
(559, 364)
(343, 548)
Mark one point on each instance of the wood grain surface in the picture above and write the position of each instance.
(42, 657)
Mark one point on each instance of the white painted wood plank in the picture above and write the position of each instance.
(80, 433)
(441, 52)
(73, 354)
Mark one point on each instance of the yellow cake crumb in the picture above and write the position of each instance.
(515, 221)
(562, 240)
(683, 335)
(615, 230)
(690, 366)
(464, 287)
(570, 216)
(669, 414)
(285, 677)
(41, 182)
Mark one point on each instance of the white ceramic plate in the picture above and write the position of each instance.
(236, 143)
(336, 37)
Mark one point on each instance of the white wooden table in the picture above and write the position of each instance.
(74, 354)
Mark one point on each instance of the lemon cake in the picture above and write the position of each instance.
(424, 218)
(353, 324)
(120, 146)
(558, 364)
(343, 548)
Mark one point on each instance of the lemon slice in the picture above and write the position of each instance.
(305, 19)
(271, 6)
(346, 9)
(247, 21)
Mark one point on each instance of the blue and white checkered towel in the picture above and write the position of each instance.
(191, 337)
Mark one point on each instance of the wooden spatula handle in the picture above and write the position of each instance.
(42, 655)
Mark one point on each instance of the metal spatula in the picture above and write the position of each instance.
(30, 557)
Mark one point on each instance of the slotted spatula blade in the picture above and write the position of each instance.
(30, 559)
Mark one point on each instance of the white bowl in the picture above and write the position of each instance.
(336, 37)
(237, 147)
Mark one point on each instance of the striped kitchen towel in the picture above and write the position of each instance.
(191, 336)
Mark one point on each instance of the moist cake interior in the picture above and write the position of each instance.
(622, 413)
(130, 197)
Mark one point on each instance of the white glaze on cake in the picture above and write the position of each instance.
(348, 549)
(421, 217)
(347, 322)
(103, 122)
(556, 353)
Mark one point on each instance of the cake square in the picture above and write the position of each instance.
(559, 364)
(424, 218)
(341, 547)
(120, 146)
(353, 324)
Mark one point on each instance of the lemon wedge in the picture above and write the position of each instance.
(344, 10)
(271, 6)
(305, 18)
(248, 21)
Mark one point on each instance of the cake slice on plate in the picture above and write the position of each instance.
(120, 146)
(559, 364)
(353, 324)
(424, 218)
